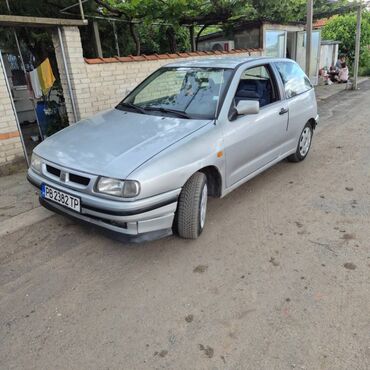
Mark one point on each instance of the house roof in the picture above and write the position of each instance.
(245, 24)
(330, 42)
(320, 23)
(17, 20)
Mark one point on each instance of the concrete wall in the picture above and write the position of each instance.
(243, 39)
(10, 144)
(250, 38)
(207, 45)
(100, 83)
(328, 55)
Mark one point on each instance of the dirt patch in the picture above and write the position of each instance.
(162, 353)
(208, 351)
(189, 318)
(349, 266)
(200, 269)
(348, 236)
(274, 262)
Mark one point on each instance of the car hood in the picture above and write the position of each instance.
(114, 143)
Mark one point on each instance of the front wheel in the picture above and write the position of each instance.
(192, 207)
(304, 144)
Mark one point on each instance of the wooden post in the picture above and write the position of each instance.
(98, 48)
(309, 37)
(357, 47)
(192, 38)
(116, 38)
(81, 9)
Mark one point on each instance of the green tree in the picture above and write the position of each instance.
(293, 10)
(155, 26)
(343, 28)
(172, 14)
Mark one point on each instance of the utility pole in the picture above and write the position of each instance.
(309, 36)
(357, 47)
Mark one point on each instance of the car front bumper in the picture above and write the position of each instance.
(137, 220)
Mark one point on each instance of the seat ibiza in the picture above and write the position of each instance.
(191, 130)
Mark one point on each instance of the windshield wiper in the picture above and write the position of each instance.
(179, 113)
(133, 106)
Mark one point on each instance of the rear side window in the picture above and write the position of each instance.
(294, 79)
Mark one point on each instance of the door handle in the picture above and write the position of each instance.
(283, 111)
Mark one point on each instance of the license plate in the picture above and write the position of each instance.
(60, 197)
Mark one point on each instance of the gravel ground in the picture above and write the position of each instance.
(278, 280)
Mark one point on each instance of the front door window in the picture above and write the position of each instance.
(256, 84)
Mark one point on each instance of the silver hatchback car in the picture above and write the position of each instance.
(192, 129)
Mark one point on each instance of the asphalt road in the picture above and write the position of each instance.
(278, 280)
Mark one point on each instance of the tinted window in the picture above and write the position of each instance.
(294, 79)
(256, 84)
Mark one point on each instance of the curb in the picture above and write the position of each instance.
(322, 99)
(23, 220)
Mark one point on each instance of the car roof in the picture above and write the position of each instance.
(220, 62)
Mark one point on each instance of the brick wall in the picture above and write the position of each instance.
(99, 84)
(10, 144)
(77, 72)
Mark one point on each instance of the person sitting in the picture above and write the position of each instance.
(343, 73)
(333, 73)
(338, 64)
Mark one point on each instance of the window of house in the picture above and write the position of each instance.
(257, 84)
(294, 79)
(275, 43)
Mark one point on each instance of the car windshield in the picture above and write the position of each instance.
(185, 92)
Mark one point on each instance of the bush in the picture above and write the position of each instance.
(364, 69)
(343, 28)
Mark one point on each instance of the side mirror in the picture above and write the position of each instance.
(247, 107)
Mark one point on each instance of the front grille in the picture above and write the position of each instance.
(54, 171)
(79, 179)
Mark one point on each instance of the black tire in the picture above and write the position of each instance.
(188, 216)
(298, 156)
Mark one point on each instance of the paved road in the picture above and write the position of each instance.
(278, 280)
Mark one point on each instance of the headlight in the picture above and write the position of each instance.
(36, 163)
(119, 188)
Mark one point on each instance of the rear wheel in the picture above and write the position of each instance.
(192, 207)
(304, 144)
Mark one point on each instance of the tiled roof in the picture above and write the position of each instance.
(320, 23)
(141, 58)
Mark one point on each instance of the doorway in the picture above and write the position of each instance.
(39, 106)
(315, 53)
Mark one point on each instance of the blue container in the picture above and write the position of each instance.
(41, 117)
